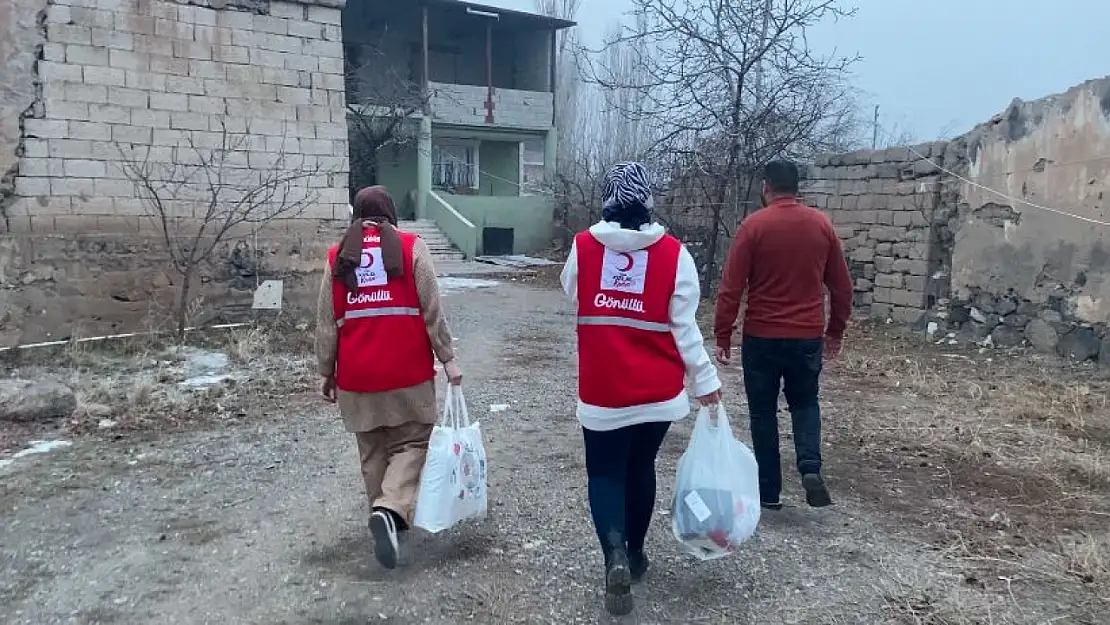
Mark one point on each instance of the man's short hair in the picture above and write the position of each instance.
(782, 177)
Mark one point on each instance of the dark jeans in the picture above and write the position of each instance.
(795, 364)
(620, 465)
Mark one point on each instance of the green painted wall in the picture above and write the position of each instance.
(499, 162)
(397, 172)
(529, 217)
(453, 224)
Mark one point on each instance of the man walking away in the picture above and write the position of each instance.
(783, 256)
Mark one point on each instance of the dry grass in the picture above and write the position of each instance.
(134, 384)
(1001, 459)
(925, 607)
(1088, 559)
(994, 410)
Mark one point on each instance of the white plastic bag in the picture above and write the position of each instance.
(716, 502)
(453, 483)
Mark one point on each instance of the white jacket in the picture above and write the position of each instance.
(684, 327)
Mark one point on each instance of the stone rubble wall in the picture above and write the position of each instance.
(57, 286)
(688, 208)
(20, 38)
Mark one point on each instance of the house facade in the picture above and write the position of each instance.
(456, 102)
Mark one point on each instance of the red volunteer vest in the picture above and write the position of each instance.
(383, 342)
(627, 355)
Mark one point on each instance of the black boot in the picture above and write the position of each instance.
(638, 565)
(618, 580)
(817, 496)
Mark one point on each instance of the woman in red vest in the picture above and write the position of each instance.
(637, 291)
(379, 327)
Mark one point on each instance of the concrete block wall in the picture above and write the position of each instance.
(174, 82)
(170, 82)
(885, 205)
(466, 105)
(20, 39)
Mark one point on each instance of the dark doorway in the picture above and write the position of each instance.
(497, 241)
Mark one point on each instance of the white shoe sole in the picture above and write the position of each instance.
(384, 531)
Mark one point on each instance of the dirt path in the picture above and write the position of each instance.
(265, 523)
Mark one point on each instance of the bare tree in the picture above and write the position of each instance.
(568, 110)
(894, 136)
(567, 77)
(729, 85)
(382, 102)
(206, 192)
(594, 130)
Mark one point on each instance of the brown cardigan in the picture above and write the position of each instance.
(363, 412)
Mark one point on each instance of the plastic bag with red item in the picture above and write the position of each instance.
(716, 503)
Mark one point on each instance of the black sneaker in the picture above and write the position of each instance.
(384, 530)
(817, 496)
(771, 505)
(638, 566)
(618, 584)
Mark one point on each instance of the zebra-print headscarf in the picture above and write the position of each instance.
(627, 196)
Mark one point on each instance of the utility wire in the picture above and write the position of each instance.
(1006, 196)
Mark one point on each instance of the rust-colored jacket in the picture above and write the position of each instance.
(784, 256)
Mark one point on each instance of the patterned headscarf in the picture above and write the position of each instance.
(627, 196)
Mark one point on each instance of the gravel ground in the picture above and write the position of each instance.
(263, 522)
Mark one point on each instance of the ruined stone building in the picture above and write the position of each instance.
(1002, 233)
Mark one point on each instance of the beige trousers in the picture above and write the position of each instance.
(392, 460)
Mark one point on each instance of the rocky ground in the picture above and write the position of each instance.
(973, 487)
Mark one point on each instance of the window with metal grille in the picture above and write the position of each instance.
(455, 164)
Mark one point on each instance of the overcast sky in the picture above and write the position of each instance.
(940, 67)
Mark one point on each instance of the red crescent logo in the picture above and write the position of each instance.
(627, 257)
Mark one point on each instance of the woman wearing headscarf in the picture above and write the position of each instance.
(379, 324)
(637, 293)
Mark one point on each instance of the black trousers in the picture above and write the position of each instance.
(620, 466)
(794, 366)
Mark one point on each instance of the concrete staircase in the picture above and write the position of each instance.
(443, 251)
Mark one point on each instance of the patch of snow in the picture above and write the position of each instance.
(495, 408)
(37, 447)
(202, 381)
(106, 424)
(515, 260)
(453, 284)
(204, 368)
(204, 361)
